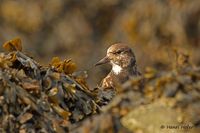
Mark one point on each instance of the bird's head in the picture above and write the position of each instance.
(119, 55)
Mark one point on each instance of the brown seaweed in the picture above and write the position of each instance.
(37, 98)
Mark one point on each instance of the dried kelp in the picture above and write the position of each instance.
(35, 98)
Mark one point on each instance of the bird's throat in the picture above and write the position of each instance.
(116, 69)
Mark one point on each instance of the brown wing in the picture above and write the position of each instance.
(107, 83)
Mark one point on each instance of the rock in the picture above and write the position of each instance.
(152, 118)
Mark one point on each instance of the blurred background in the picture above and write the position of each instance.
(83, 29)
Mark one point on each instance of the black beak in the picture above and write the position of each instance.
(103, 61)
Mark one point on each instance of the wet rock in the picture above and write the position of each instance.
(150, 118)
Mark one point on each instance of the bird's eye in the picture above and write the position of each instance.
(118, 52)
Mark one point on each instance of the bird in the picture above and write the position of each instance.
(124, 66)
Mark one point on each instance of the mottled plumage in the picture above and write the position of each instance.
(123, 62)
